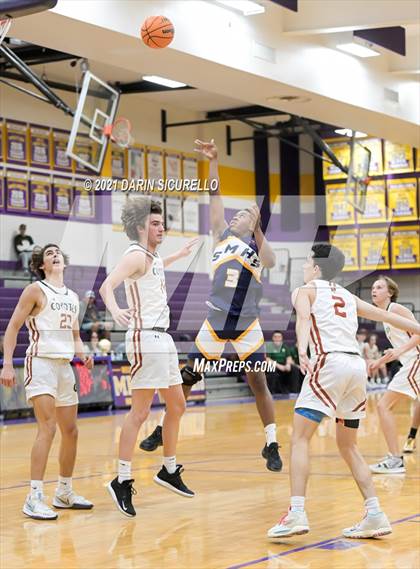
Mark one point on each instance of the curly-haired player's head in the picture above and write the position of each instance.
(142, 219)
(48, 259)
(384, 290)
(324, 262)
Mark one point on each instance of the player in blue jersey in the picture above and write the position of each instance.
(240, 253)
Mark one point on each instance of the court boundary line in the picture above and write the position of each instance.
(304, 547)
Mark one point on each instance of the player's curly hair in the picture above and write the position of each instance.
(392, 286)
(38, 259)
(135, 212)
(329, 259)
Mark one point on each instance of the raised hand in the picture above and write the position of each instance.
(207, 149)
(255, 214)
(186, 250)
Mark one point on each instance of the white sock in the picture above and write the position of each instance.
(64, 485)
(37, 486)
(169, 463)
(124, 471)
(270, 433)
(162, 418)
(372, 506)
(297, 503)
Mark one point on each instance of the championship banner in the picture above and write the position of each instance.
(172, 166)
(2, 185)
(339, 211)
(40, 146)
(417, 154)
(374, 248)
(342, 151)
(84, 149)
(84, 204)
(376, 167)
(118, 163)
(154, 159)
(375, 208)
(16, 142)
(62, 196)
(40, 194)
(191, 215)
(60, 160)
(17, 191)
(402, 199)
(173, 222)
(405, 247)
(136, 163)
(346, 241)
(398, 158)
(189, 167)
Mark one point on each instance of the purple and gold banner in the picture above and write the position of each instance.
(375, 209)
(40, 143)
(17, 191)
(40, 194)
(402, 199)
(398, 158)
(374, 248)
(405, 247)
(84, 201)
(339, 209)
(84, 149)
(342, 151)
(118, 163)
(346, 241)
(62, 196)
(16, 142)
(61, 161)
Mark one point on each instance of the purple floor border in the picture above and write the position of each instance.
(304, 547)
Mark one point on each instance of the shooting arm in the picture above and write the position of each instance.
(265, 252)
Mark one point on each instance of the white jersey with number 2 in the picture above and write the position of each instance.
(334, 320)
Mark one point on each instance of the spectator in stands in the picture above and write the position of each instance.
(295, 357)
(372, 353)
(286, 378)
(24, 245)
(93, 348)
(90, 318)
(361, 337)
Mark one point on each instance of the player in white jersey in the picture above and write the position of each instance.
(405, 383)
(150, 349)
(335, 386)
(50, 311)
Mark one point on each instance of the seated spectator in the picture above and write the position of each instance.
(90, 318)
(361, 337)
(93, 347)
(295, 357)
(371, 353)
(286, 377)
(24, 245)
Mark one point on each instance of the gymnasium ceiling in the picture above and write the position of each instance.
(232, 60)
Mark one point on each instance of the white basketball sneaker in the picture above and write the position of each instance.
(36, 508)
(389, 465)
(372, 525)
(72, 501)
(292, 523)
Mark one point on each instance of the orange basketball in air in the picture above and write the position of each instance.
(157, 32)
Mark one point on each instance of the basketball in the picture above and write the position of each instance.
(104, 345)
(157, 32)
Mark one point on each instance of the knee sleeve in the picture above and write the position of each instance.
(350, 423)
(189, 376)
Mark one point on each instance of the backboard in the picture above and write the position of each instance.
(19, 8)
(358, 174)
(96, 110)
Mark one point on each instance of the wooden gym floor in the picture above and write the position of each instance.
(237, 500)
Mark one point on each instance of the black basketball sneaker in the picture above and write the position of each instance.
(121, 494)
(173, 481)
(272, 456)
(153, 441)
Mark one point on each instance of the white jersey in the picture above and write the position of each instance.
(51, 331)
(398, 338)
(147, 294)
(334, 320)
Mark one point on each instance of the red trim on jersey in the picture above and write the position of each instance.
(317, 383)
(314, 342)
(359, 407)
(138, 359)
(314, 384)
(137, 295)
(28, 366)
(136, 314)
(34, 338)
(318, 335)
(411, 377)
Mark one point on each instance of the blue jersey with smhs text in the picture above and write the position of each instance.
(236, 269)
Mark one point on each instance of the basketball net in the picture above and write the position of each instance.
(120, 132)
(4, 28)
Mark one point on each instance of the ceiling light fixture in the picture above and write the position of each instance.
(348, 132)
(163, 81)
(357, 49)
(247, 7)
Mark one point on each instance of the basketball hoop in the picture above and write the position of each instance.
(120, 132)
(4, 28)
